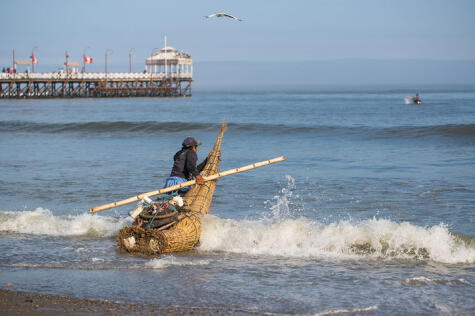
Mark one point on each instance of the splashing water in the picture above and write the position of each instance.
(42, 222)
(280, 206)
(371, 239)
(282, 235)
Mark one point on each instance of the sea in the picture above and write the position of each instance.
(373, 212)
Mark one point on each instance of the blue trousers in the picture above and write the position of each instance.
(171, 181)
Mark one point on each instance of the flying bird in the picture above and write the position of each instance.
(220, 15)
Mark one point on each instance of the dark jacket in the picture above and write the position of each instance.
(184, 165)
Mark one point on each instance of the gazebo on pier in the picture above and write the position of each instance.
(170, 63)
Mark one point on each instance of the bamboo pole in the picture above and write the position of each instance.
(185, 184)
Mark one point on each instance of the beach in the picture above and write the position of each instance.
(22, 303)
(29, 304)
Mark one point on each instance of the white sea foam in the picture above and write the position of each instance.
(418, 280)
(97, 260)
(42, 222)
(374, 238)
(444, 309)
(82, 250)
(347, 311)
(168, 261)
(422, 280)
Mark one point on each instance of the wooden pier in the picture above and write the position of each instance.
(169, 73)
(62, 85)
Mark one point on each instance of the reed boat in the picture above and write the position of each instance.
(183, 233)
(166, 228)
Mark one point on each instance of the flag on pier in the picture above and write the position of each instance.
(88, 60)
(33, 59)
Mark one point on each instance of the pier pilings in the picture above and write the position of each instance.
(94, 85)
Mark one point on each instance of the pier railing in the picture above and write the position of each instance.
(92, 75)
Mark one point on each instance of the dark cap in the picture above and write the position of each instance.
(190, 142)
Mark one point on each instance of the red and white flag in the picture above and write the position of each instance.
(88, 60)
(33, 59)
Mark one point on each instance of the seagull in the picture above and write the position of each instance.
(220, 15)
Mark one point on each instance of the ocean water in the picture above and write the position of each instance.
(372, 213)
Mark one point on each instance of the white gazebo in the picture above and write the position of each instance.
(170, 62)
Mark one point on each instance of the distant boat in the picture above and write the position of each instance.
(414, 100)
(221, 15)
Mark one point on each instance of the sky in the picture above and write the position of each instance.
(271, 31)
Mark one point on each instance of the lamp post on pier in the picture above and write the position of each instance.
(130, 58)
(14, 61)
(33, 59)
(66, 55)
(108, 52)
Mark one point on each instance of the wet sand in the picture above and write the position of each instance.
(29, 304)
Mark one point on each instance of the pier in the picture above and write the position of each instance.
(169, 73)
(62, 85)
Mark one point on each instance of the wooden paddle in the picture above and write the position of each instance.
(185, 184)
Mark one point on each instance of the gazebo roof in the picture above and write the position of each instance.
(169, 54)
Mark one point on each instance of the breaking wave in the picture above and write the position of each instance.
(448, 130)
(43, 222)
(100, 127)
(279, 233)
(372, 239)
(157, 128)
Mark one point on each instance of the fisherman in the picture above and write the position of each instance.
(184, 165)
(417, 99)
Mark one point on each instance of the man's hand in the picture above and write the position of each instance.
(199, 180)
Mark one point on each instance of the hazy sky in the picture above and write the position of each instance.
(272, 30)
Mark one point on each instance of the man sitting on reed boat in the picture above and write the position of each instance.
(184, 165)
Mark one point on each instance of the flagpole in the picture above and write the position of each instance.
(130, 59)
(84, 59)
(108, 51)
(165, 57)
(33, 59)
